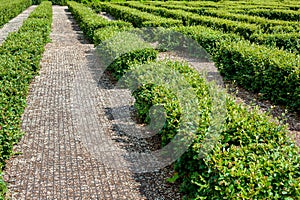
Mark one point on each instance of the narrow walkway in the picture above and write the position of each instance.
(15, 23)
(69, 148)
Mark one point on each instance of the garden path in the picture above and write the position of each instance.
(70, 149)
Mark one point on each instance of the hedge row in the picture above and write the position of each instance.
(288, 15)
(89, 21)
(10, 9)
(100, 30)
(241, 28)
(20, 55)
(102, 34)
(287, 41)
(264, 24)
(125, 49)
(273, 73)
(252, 159)
(136, 17)
(230, 5)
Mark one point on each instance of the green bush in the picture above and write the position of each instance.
(136, 17)
(287, 41)
(273, 73)
(89, 21)
(288, 15)
(179, 12)
(19, 57)
(10, 9)
(122, 49)
(253, 157)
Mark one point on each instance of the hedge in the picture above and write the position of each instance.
(89, 21)
(288, 15)
(123, 50)
(223, 13)
(253, 157)
(287, 41)
(187, 18)
(10, 9)
(134, 16)
(272, 72)
(20, 55)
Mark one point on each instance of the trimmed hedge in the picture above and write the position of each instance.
(59, 2)
(134, 16)
(89, 21)
(123, 50)
(253, 158)
(287, 41)
(102, 34)
(20, 55)
(10, 9)
(273, 73)
(188, 19)
(288, 15)
(224, 13)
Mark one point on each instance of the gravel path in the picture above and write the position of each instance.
(71, 148)
(15, 23)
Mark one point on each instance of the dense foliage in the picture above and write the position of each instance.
(89, 21)
(273, 73)
(20, 55)
(10, 9)
(254, 158)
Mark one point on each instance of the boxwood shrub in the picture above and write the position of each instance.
(20, 55)
(89, 21)
(253, 158)
(272, 72)
(10, 9)
(134, 16)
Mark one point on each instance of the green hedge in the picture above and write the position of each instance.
(121, 49)
(288, 15)
(89, 21)
(10, 9)
(102, 34)
(273, 73)
(134, 16)
(263, 23)
(253, 158)
(187, 18)
(20, 55)
(287, 41)
(59, 2)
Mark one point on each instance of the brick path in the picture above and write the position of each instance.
(58, 160)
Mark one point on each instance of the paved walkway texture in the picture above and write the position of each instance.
(15, 23)
(70, 146)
